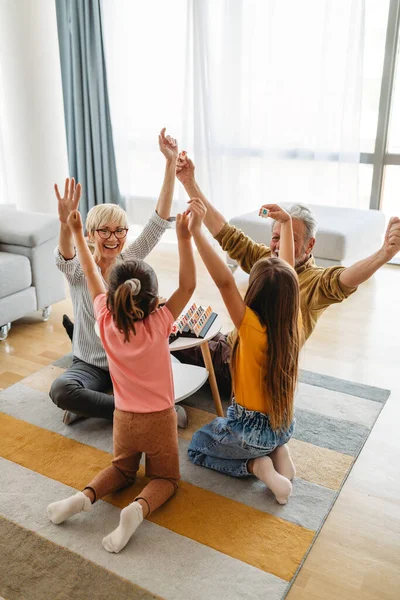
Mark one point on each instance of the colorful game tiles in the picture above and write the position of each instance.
(195, 319)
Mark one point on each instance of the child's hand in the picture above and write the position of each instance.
(276, 212)
(197, 212)
(182, 227)
(75, 221)
(184, 169)
(168, 145)
(70, 201)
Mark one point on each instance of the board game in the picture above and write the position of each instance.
(195, 323)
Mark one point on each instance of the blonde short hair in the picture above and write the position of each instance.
(105, 214)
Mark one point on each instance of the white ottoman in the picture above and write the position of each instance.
(344, 235)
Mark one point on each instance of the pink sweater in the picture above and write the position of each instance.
(140, 369)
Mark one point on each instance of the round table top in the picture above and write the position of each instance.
(182, 343)
(187, 379)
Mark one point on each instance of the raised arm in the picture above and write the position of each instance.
(89, 267)
(169, 148)
(218, 270)
(187, 268)
(213, 219)
(286, 243)
(66, 204)
(158, 222)
(364, 269)
(238, 245)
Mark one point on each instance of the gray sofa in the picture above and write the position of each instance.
(29, 279)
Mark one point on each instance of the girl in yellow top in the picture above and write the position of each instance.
(252, 438)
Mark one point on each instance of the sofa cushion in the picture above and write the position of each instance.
(15, 273)
(24, 228)
(343, 234)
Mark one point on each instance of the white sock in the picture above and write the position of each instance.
(63, 509)
(130, 519)
(279, 485)
(283, 462)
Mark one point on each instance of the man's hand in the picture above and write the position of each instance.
(197, 212)
(70, 201)
(276, 212)
(75, 221)
(168, 145)
(184, 169)
(391, 244)
(182, 227)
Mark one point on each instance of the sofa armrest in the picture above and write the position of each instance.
(26, 228)
(34, 235)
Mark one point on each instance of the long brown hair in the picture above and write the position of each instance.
(132, 294)
(273, 294)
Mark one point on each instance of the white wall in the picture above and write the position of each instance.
(31, 105)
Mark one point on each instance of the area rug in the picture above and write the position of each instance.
(219, 537)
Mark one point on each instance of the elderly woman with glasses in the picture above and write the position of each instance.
(81, 391)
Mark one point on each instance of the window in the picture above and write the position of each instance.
(275, 101)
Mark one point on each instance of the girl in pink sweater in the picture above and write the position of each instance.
(134, 333)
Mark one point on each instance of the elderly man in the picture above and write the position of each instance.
(319, 287)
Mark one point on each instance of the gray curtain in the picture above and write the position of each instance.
(87, 113)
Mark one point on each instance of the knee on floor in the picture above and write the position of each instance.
(61, 390)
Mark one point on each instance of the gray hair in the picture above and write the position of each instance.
(301, 212)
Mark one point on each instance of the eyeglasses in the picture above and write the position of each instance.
(119, 233)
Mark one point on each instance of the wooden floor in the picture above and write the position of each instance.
(357, 554)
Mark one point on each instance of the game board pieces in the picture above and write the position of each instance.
(195, 319)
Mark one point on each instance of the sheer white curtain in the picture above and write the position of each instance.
(4, 197)
(145, 47)
(264, 94)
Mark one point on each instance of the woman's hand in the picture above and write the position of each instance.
(168, 145)
(276, 212)
(197, 212)
(182, 227)
(70, 201)
(75, 221)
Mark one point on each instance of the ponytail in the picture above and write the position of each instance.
(132, 294)
(126, 310)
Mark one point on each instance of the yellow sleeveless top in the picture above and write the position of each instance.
(249, 385)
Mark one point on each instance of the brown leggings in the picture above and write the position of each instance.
(154, 434)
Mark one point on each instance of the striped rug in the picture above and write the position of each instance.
(220, 537)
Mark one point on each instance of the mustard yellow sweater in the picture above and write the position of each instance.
(319, 287)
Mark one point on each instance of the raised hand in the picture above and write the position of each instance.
(276, 212)
(75, 221)
(197, 212)
(391, 244)
(70, 201)
(168, 145)
(182, 226)
(184, 168)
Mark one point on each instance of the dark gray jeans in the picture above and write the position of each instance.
(82, 390)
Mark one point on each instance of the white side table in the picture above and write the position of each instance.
(182, 343)
(187, 379)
